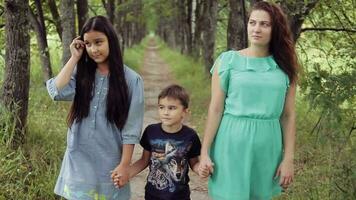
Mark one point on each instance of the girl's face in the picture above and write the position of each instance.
(97, 46)
(259, 28)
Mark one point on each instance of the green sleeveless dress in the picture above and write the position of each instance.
(247, 149)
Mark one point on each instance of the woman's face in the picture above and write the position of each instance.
(97, 46)
(259, 28)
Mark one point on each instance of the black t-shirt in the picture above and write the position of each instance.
(169, 163)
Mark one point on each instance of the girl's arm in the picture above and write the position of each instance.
(76, 49)
(122, 170)
(140, 164)
(286, 168)
(216, 109)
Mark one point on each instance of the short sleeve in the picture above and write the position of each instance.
(196, 146)
(132, 130)
(65, 94)
(144, 142)
(287, 81)
(223, 63)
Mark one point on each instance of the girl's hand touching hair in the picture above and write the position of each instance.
(77, 47)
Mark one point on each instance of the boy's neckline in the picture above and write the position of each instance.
(174, 131)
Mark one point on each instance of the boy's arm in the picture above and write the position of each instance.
(194, 164)
(140, 164)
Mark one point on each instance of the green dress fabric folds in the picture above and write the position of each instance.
(247, 149)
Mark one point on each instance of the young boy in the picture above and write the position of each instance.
(169, 149)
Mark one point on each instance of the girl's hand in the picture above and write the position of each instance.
(286, 173)
(77, 47)
(206, 165)
(120, 175)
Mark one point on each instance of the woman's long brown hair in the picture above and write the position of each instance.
(117, 102)
(281, 45)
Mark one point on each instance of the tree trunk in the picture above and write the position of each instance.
(181, 25)
(209, 29)
(68, 24)
(56, 18)
(82, 12)
(40, 29)
(237, 23)
(15, 89)
(297, 11)
(110, 9)
(197, 27)
(189, 30)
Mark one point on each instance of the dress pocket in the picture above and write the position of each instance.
(72, 137)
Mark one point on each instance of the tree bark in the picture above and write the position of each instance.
(82, 12)
(197, 27)
(110, 9)
(15, 89)
(237, 23)
(68, 24)
(38, 25)
(189, 30)
(209, 29)
(297, 11)
(56, 18)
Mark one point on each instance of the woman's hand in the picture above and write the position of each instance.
(77, 47)
(206, 166)
(120, 175)
(285, 173)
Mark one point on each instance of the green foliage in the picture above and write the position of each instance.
(133, 57)
(189, 73)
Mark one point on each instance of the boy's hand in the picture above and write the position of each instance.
(206, 163)
(120, 175)
(203, 171)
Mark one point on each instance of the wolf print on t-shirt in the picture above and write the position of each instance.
(169, 163)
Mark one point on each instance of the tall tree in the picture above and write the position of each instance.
(82, 13)
(15, 89)
(56, 18)
(237, 23)
(68, 25)
(38, 23)
(208, 31)
(197, 27)
(297, 11)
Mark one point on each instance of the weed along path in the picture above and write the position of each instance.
(156, 76)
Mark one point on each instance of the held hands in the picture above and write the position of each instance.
(286, 173)
(120, 175)
(77, 47)
(206, 166)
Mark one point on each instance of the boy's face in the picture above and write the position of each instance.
(171, 111)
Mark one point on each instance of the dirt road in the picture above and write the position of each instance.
(156, 76)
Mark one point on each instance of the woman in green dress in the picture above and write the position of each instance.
(249, 136)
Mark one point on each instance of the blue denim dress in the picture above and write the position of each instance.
(94, 146)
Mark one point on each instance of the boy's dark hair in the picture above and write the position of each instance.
(176, 92)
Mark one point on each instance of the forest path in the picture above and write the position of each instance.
(156, 75)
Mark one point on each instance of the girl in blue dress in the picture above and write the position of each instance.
(106, 116)
(250, 131)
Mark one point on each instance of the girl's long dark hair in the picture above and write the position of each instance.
(281, 45)
(117, 103)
